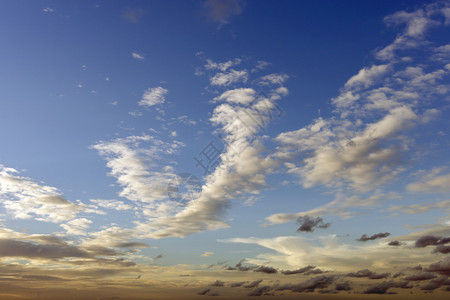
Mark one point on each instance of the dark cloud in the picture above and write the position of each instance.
(159, 256)
(237, 284)
(100, 250)
(345, 286)
(220, 11)
(309, 224)
(239, 267)
(15, 248)
(436, 283)
(204, 292)
(131, 245)
(314, 272)
(394, 243)
(397, 275)
(382, 288)
(133, 14)
(309, 285)
(262, 290)
(442, 249)
(369, 274)
(218, 283)
(365, 238)
(298, 271)
(420, 276)
(442, 267)
(267, 270)
(41, 278)
(431, 240)
(253, 284)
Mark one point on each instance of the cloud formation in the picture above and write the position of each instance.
(309, 224)
(220, 11)
(365, 238)
(153, 96)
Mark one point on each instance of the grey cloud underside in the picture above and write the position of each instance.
(309, 224)
(365, 238)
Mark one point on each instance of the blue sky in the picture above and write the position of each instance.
(322, 127)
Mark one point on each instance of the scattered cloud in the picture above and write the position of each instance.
(367, 273)
(433, 182)
(207, 253)
(230, 77)
(309, 224)
(48, 10)
(153, 96)
(365, 238)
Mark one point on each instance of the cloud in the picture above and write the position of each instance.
(15, 248)
(239, 96)
(133, 15)
(298, 271)
(48, 10)
(308, 286)
(207, 253)
(265, 269)
(153, 96)
(431, 240)
(442, 267)
(365, 238)
(369, 274)
(432, 182)
(278, 79)
(136, 168)
(218, 283)
(394, 243)
(112, 204)
(262, 290)
(309, 224)
(76, 226)
(442, 249)
(419, 208)
(344, 286)
(137, 56)
(420, 276)
(232, 76)
(382, 288)
(211, 65)
(253, 284)
(25, 199)
(220, 11)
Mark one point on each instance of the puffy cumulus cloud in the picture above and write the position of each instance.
(382, 288)
(365, 77)
(220, 11)
(153, 96)
(239, 96)
(298, 271)
(433, 181)
(394, 243)
(365, 238)
(24, 199)
(309, 224)
(420, 276)
(230, 77)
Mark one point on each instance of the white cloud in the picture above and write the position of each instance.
(239, 96)
(136, 168)
(25, 199)
(137, 56)
(211, 65)
(366, 76)
(232, 76)
(273, 79)
(112, 204)
(207, 253)
(329, 253)
(153, 96)
(420, 208)
(434, 181)
(48, 9)
(76, 226)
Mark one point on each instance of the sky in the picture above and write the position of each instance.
(227, 148)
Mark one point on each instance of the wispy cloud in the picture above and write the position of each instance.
(220, 11)
(137, 56)
(153, 96)
(133, 15)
